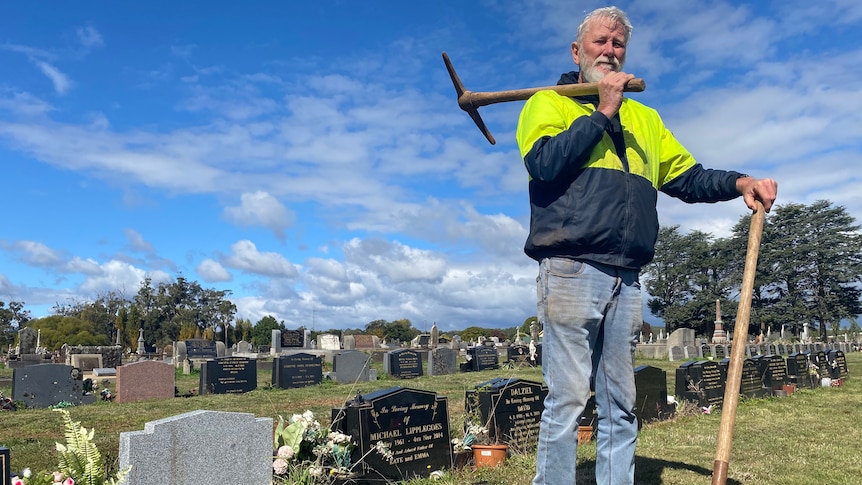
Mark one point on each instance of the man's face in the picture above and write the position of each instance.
(602, 50)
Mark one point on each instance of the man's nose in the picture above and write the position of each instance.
(608, 49)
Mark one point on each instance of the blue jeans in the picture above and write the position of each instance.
(591, 314)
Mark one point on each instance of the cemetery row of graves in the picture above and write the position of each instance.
(413, 424)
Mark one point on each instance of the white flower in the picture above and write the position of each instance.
(279, 466)
(285, 452)
(26, 473)
(316, 471)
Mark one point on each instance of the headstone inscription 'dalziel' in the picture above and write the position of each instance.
(228, 375)
(510, 408)
(297, 370)
(413, 423)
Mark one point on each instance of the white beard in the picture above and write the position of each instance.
(590, 70)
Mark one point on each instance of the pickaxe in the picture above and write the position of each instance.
(471, 101)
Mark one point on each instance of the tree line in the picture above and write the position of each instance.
(808, 273)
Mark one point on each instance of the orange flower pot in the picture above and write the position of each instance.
(489, 455)
(585, 434)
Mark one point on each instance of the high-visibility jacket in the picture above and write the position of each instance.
(594, 181)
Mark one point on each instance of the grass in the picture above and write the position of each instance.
(813, 436)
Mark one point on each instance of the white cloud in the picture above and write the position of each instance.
(212, 271)
(261, 209)
(245, 257)
(137, 242)
(89, 37)
(34, 253)
(117, 275)
(60, 81)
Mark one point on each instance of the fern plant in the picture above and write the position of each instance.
(80, 459)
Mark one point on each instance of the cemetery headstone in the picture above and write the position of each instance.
(199, 448)
(351, 366)
(720, 352)
(328, 341)
(675, 353)
(773, 370)
(293, 339)
(348, 342)
(5, 466)
(510, 408)
(404, 363)
(798, 372)
(414, 423)
(44, 385)
(819, 359)
(651, 394)
(837, 364)
(751, 383)
(145, 380)
(700, 382)
(27, 338)
(705, 351)
(442, 361)
(200, 348)
(519, 354)
(86, 362)
(243, 347)
(297, 370)
(483, 357)
(365, 341)
(228, 375)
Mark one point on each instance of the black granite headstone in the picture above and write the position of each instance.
(700, 382)
(773, 370)
(293, 338)
(413, 423)
(720, 352)
(297, 370)
(405, 363)
(819, 359)
(44, 385)
(750, 382)
(518, 354)
(483, 357)
(798, 372)
(837, 365)
(5, 466)
(228, 375)
(651, 391)
(201, 349)
(510, 408)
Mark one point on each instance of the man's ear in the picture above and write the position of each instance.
(575, 56)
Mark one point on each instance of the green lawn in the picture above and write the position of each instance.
(813, 436)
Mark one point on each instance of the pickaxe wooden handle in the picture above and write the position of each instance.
(471, 101)
(737, 353)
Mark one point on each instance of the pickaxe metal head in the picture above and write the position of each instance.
(471, 101)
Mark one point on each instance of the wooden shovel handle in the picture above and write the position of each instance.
(737, 354)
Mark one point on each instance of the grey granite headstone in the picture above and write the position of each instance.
(199, 448)
(43, 385)
(243, 347)
(351, 366)
(27, 338)
(442, 361)
(675, 353)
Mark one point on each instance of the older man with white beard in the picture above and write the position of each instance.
(596, 164)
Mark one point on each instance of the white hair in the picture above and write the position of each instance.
(611, 13)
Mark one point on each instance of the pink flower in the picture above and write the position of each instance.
(69, 481)
(58, 477)
(279, 466)
(17, 481)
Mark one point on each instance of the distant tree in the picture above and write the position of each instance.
(57, 330)
(470, 334)
(261, 334)
(525, 327)
(13, 316)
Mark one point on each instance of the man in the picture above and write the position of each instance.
(596, 164)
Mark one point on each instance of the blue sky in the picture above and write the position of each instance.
(311, 157)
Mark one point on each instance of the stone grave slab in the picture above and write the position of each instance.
(750, 383)
(700, 382)
(365, 341)
(414, 423)
(518, 355)
(328, 341)
(675, 353)
(43, 385)
(511, 409)
(351, 366)
(404, 364)
(86, 362)
(773, 370)
(228, 375)
(442, 361)
(818, 358)
(145, 380)
(200, 348)
(297, 370)
(105, 372)
(199, 448)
